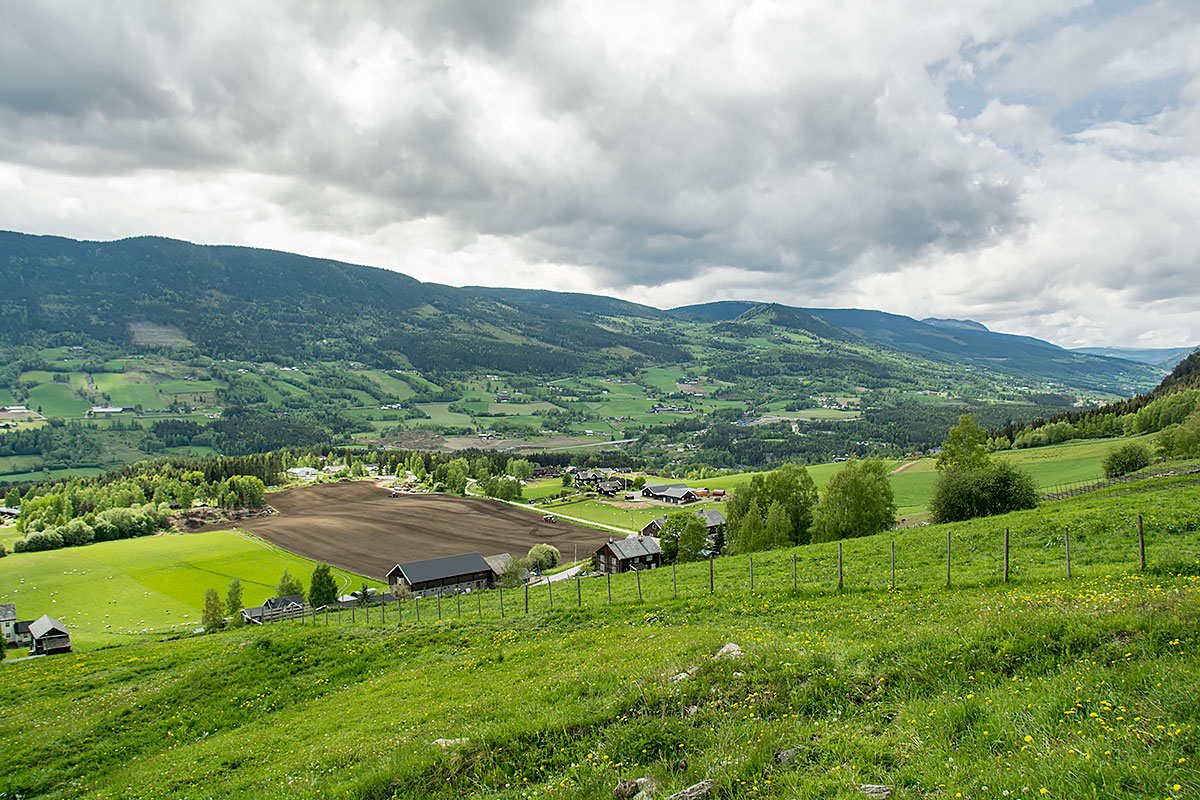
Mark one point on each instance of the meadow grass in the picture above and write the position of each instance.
(1041, 687)
(107, 590)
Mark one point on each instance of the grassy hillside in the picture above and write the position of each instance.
(1042, 687)
(108, 590)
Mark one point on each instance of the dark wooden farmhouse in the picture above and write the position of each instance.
(445, 575)
(713, 520)
(677, 493)
(626, 555)
(48, 636)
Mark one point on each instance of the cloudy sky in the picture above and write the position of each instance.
(1032, 164)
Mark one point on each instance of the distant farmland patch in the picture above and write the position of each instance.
(359, 527)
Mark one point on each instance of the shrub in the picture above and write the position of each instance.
(968, 493)
(1126, 459)
(542, 557)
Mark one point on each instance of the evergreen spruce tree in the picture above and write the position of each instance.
(323, 589)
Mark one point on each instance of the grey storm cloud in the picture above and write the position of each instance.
(638, 148)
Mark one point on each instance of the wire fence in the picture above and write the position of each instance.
(1162, 476)
(955, 561)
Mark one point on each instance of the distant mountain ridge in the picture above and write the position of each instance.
(267, 305)
(1165, 357)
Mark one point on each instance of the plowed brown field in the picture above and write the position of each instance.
(358, 526)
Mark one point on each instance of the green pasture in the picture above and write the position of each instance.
(128, 389)
(663, 379)
(1070, 462)
(205, 386)
(521, 409)
(50, 475)
(6, 398)
(10, 464)
(57, 400)
(440, 414)
(389, 383)
(104, 590)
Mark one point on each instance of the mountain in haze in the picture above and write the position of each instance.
(966, 324)
(264, 305)
(974, 343)
(1164, 357)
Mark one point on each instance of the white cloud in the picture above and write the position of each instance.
(666, 152)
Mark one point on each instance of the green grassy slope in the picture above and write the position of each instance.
(107, 590)
(1042, 687)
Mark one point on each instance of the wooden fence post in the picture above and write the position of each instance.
(501, 602)
(710, 573)
(638, 572)
(947, 559)
(1067, 538)
(839, 566)
(1005, 556)
(527, 598)
(479, 603)
(550, 592)
(893, 584)
(326, 616)
(608, 575)
(439, 602)
(383, 613)
(417, 603)
(1141, 542)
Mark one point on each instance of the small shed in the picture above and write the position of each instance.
(48, 636)
(445, 575)
(626, 555)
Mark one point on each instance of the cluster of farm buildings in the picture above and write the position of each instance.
(43, 636)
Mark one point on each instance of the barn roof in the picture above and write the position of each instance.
(433, 569)
(44, 625)
(635, 546)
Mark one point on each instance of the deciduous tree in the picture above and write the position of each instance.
(857, 502)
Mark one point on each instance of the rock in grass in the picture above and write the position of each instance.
(785, 757)
(446, 744)
(876, 792)
(697, 791)
(730, 650)
(625, 790)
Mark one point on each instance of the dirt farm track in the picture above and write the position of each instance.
(358, 526)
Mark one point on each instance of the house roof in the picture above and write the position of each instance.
(498, 562)
(23, 626)
(8, 612)
(676, 490)
(635, 546)
(44, 625)
(433, 569)
(712, 517)
(276, 603)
